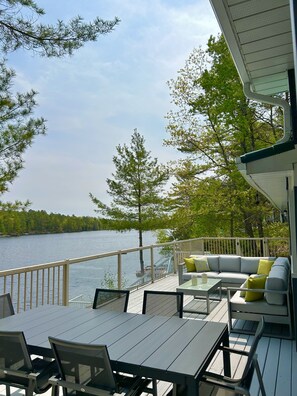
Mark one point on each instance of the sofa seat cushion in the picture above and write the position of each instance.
(238, 303)
(229, 263)
(210, 274)
(233, 277)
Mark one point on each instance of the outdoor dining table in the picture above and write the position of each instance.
(169, 349)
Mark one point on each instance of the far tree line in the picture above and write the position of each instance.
(15, 223)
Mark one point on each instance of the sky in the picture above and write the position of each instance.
(95, 99)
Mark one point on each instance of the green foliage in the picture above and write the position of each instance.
(20, 28)
(214, 123)
(110, 281)
(22, 222)
(18, 128)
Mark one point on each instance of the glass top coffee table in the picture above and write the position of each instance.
(201, 291)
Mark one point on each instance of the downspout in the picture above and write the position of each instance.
(275, 102)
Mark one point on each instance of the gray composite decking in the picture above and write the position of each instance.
(277, 357)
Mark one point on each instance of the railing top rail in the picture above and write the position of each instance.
(77, 260)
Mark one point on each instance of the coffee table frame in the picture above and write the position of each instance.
(201, 291)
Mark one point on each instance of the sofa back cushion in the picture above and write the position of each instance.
(213, 262)
(229, 263)
(278, 279)
(249, 265)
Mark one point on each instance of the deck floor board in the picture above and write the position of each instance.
(277, 357)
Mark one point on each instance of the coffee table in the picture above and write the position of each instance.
(201, 291)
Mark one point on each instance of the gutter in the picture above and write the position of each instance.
(276, 102)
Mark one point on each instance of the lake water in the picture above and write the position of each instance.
(16, 252)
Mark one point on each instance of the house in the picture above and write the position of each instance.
(261, 36)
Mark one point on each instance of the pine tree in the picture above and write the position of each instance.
(136, 190)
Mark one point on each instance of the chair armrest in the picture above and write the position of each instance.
(234, 289)
(223, 382)
(232, 350)
(78, 387)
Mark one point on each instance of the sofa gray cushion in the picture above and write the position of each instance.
(213, 262)
(249, 265)
(277, 280)
(210, 274)
(233, 277)
(229, 263)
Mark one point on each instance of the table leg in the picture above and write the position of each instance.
(207, 304)
(226, 355)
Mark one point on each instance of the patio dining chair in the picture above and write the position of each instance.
(164, 303)
(112, 299)
(18, 370)
(85, 369)
(6, 307)
(211, 382)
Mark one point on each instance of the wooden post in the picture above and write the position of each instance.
(119, 270)
(66, 283)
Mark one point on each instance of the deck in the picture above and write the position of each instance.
(277, 357)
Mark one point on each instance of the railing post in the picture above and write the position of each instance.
(119, 270)
(152, 264)
(65, 295)
(174, 259)
(265, 247)
(238, 249)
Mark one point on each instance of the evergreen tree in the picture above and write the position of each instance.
(20, 28)
(136, 190)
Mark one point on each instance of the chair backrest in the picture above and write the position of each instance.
(14, 355)
(163, 303)
(6, 307)
(83, 364)
(258, 335)
(112, 299)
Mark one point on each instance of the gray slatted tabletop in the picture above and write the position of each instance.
(169, 349)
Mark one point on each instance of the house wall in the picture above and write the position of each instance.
(292, 201)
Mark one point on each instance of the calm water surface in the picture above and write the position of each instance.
(16, 252)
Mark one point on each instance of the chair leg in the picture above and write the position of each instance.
(260, 379)
(154, 384)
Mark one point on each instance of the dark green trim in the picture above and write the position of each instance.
(267, 152)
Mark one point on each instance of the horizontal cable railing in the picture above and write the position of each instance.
(51, 283)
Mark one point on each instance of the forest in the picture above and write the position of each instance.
(23, 222)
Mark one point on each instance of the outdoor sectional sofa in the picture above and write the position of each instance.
(233, 271)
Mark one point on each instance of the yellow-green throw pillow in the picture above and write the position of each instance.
(190, 264)
(244, 285)
(264, 266)
(201, 264)
(255, 283)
